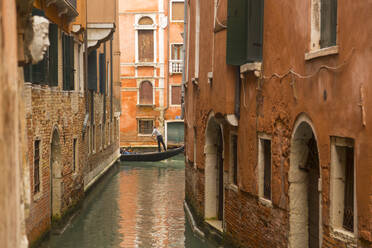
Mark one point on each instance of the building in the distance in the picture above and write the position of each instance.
(151, 71)
(278, 121)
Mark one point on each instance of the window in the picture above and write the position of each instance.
(244, 31)
(328, 23)
(197, 37)
(92, 70)
(94, 139)
(175, 95)
(145, 127)
(145, 40)
(264, 168)
(146, 93)
(342, 183)
(37, 166)
(177, 10)
(102, 73)
(177, 52)
(74, 155)
(46, 71)
(68, 62)
(234, 159)
(89, 141)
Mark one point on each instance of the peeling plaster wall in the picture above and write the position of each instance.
(331, 99)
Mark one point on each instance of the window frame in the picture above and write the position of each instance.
(261, 169)
(138, 27)
(138, 126)
(75, 156)
(171, 10)
(337, 229)
(139, 83)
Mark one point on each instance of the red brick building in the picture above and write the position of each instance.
(277, 124)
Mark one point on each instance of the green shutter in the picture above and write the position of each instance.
(328, 23)
(68, 62)
(64, 59)
(53, 55)
(255, 20)
(244, 31)
(92, 70)
(102, 73)
(39, 71)
(71, 63)
(236, 32)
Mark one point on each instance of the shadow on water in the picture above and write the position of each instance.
(137, 204)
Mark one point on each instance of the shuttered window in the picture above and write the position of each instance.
(176, 95)
(267, 169)
(68, 62)
(146, 93)
(53, 54)
(178, 11)
(102, 73)
(92, 70)
(176, 52)
(146, 45)
(328, 22)
(37, 166)
(37, 73)
(244, 31)
(348, 218)
(145, 126)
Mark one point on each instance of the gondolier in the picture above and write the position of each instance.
(159, 138)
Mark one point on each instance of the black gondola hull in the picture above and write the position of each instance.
(152, 156)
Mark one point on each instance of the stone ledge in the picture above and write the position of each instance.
(321, 52)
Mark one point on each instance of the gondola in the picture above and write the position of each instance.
(152, 156)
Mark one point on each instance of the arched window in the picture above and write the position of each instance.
(145, 93)
(145, 40)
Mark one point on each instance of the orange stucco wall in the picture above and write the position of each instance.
(133, 74)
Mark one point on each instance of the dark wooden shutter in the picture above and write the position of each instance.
(236, 32)
(92, 70)
(235, 158)
(176, 95)
(68, 62)
(255, 19)
(53, 55)
(146, 93)
(267, 169)
(102, 73)
(348, 220)
(328, 23)
(146, 45)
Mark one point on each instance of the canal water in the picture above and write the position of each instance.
(137, 204)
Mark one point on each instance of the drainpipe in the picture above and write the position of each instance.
(237, 93)
(86, 69)
(184, 61)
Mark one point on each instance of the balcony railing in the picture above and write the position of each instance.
(176, 66)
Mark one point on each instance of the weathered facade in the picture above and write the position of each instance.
(151, 71)
(59, 113)
(277, 124)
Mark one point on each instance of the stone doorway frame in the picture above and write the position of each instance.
(298, 185)
(56, 177)
(211, 173)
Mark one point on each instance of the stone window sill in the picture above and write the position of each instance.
(38, 196)
(234, 188)
(144, 135)
(146, 105)
(216, 224)
(344, 236)
(321, 52)
(255, 66)
(266, 202)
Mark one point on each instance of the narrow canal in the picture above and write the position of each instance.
(134, 205)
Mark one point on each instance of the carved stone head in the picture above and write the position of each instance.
(40, 39)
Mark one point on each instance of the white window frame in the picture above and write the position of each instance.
(138, 27)
(139, 81)
(315, 34)
(261, 169)
(175, 60)
(337, 231)
(171, 9)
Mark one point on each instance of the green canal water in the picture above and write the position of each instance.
(134, 205)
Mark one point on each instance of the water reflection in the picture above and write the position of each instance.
(135, 205)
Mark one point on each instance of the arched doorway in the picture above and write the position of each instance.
(56, 175)
(304, 192)
(213, 171)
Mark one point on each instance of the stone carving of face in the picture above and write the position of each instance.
(40, 41)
